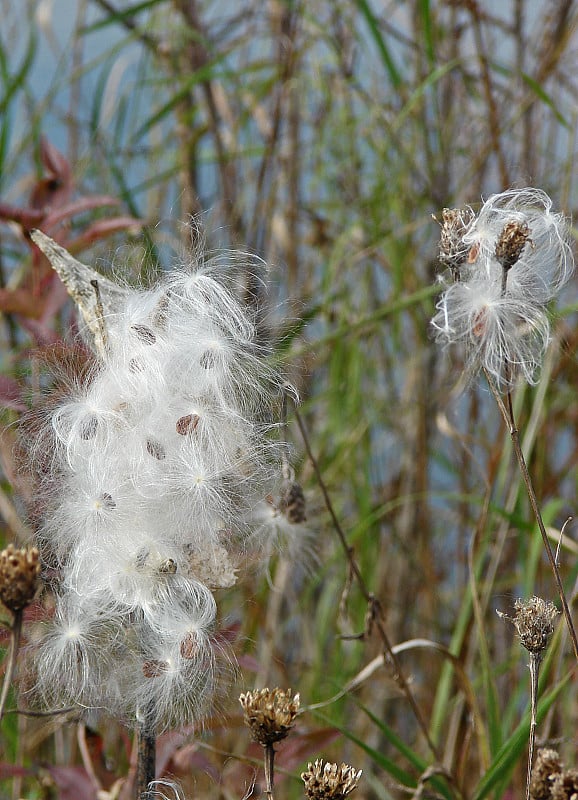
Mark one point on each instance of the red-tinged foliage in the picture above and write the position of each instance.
(72, 783)
(13, 771)
(189, 760)
(11, 394)
(51, 208)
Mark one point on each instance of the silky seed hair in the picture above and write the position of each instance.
(504, 266)
(159, 457)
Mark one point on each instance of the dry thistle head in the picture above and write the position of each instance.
(512, 241)
(19, 570)
(326, 781)
(534, 623)
(269, 714)
(546, 769)
(565, 785)
(454, 225)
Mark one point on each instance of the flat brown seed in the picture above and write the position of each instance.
(155, 449)
(153, 668)
(187, 424)
(189, 646)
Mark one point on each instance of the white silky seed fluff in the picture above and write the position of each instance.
(159, 461)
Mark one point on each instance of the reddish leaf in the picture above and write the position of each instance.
(41, 334)
(55, 188)
(73, 783)
(249, 663)
(78, 206)
(12, 771)
(189, 759)
(301, 747)
(11, 394)
(55, 299)
(27, 217)
(101, 229)
(20, 301)
(54, 161)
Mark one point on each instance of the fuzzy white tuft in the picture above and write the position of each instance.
(158, 459)
(499, 312)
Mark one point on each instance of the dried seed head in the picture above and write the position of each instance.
(269, 714)
(454, 225)
(534, 623)
(512, 241)
(565, 785)
(293, 503)
(546, 768)
(19, 570)
(325, 781)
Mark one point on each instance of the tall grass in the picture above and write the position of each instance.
(322, 136)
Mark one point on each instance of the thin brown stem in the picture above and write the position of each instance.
(269, 766)
(508, 415)
(534, 666)
(376, 609)
(145, 773)
(15, 634)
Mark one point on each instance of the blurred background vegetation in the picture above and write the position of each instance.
(321, 136)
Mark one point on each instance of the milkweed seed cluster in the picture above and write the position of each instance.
(159, 463)
(505, 264)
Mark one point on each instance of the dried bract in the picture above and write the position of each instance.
(565, 785)
(269, 714)
(19, 570)
(512, 241)
(545, 770)
(326, 781)
(534, 623)
(454, 225)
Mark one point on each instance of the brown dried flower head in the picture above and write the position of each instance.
(19, 570)
(269, 714)
(545, 770)
(454, 225)
(326, 781)
(512, 241)
(534, 623)
(565, 785)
